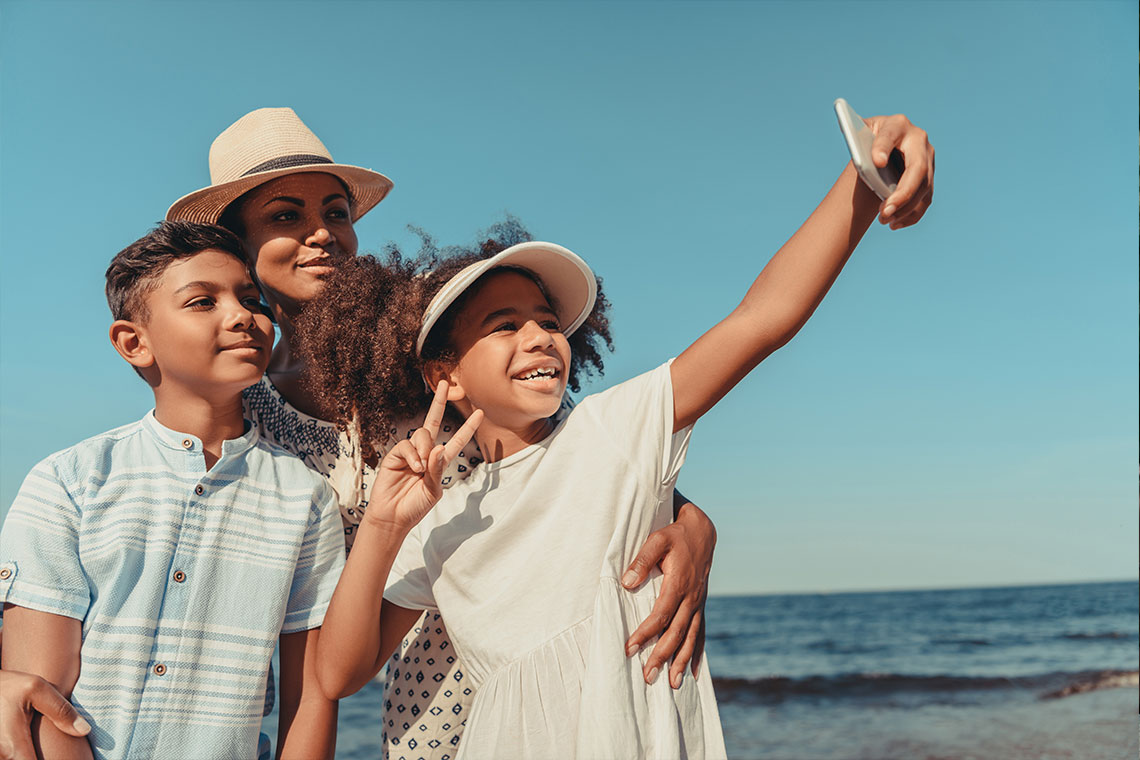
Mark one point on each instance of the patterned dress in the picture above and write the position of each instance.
(425, 697)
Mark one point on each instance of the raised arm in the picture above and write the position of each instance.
(46, 645)
(795, 280)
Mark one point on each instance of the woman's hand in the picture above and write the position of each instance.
(408, 482)
(915, 190)
(684, 551)
(22, 696)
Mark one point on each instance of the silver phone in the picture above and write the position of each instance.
(859, 139)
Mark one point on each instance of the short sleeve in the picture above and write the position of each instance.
(39, 548)
(637, 416)
(409, 584)
(319, 563)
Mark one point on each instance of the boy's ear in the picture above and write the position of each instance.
(130, 341)
(436, 370)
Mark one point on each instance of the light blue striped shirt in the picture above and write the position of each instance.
(183, 579)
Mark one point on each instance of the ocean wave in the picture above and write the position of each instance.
(1112, 635)
(1105, 679)
(855, 685)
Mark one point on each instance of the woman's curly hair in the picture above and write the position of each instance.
(358, 339)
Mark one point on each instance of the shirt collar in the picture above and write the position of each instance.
(172, 439)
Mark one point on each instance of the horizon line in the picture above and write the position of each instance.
(904, 589)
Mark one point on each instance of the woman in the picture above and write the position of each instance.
(276, 185)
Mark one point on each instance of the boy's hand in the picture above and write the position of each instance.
(22, 696)
(915, 191)
(408, 482)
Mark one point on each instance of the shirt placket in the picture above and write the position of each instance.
(166, 660)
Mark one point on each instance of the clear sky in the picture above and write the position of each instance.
(961, 410)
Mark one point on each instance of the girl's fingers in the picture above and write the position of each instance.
(918, 174)
(462, 436)
(404, 455)
(436, 462)
(889, 132)
(435, 412)
(424, 442)
(910, 215)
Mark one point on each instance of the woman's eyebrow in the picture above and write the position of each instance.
(333, 197)
(287, 199)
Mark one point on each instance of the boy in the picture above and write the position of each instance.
(167, 556)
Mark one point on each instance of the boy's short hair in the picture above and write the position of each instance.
(136, 269)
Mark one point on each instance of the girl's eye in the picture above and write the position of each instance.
(505, 327)
(551, 325)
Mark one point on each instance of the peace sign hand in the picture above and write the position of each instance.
(408, 481)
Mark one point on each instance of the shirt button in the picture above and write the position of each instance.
(5, 574)
(187, 443)
(199, 490)
(179, 576)
(160, 669)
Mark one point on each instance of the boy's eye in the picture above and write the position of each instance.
(251, 302)
(201, 303)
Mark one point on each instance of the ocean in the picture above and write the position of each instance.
(1043, 672)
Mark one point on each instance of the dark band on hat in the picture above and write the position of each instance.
(287, 162)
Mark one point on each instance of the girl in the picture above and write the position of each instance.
(558, 503)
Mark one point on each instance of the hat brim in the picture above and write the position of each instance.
(206, 205)
(568, 281)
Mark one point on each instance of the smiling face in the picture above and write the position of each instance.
(297, 229)
(205, 333)
(513, 358)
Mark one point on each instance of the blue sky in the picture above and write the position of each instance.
(961, 410)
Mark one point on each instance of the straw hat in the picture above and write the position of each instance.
(568, 281)
(263, 145)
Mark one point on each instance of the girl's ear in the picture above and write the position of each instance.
(130, 341)
(436, 370)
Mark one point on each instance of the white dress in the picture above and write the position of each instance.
(523, 559)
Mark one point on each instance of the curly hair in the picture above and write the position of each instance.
(358, 339)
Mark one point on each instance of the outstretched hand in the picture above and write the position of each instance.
(408, 482)
(915, 190)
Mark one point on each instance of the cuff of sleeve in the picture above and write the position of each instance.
(306, 620)
(26, 593)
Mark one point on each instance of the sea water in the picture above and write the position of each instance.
(1045, 672)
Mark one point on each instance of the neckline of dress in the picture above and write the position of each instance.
(525, 453)
(289, 406)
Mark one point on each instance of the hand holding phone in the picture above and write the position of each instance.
(859, 139)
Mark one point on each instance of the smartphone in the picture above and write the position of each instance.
(859, 139)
